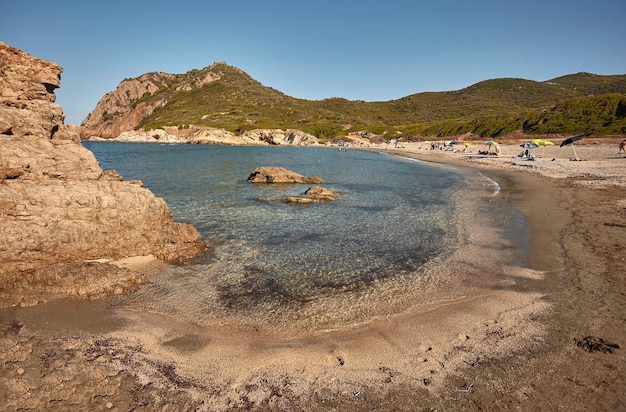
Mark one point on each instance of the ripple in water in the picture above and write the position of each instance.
(285, 267)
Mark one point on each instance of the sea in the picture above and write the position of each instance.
(398, 228)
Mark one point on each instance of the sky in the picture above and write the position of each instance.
(355, 49)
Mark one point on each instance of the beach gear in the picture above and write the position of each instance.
(543, 144)
(571, 140)
(529, 145)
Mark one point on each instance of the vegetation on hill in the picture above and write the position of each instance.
(578, 103)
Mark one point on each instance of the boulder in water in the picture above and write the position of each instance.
(312, 195)
(269, 174)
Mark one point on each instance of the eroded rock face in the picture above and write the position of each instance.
(119, 110)
(270, 174)
(199, 135)
(58, 208)
(101, 121)
(119, 113)
(27, 95)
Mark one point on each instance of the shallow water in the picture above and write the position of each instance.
(389, 237)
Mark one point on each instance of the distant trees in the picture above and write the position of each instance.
(599, 115)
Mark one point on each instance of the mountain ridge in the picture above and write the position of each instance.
(225, 97)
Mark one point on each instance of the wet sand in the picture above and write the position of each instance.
(509, 338)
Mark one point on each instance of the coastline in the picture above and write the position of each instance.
(575, 217)
(506, 341)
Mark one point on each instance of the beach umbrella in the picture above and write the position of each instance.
(543, 144)
(529, 145)
(490, 143)
(571, 140)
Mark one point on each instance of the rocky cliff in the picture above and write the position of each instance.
(117, 111)
(61, 215)
(123, 114)
(123, 109)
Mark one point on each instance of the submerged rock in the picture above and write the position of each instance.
(301, 200)
(269, 174)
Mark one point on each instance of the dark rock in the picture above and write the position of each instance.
(596, 344)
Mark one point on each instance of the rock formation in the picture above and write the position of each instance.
(123, 109)
(280, 138)
(119, 114)
(268, 174)
(60, 213)
(320, 193)
(116, 113)
(313, 194)
(209, 135)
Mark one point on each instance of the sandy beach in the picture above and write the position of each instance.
(548, 336)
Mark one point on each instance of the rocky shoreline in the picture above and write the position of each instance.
(520, 339)
(524, 339)
(64, 219)
(209, 135)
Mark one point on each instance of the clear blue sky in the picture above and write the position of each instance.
(356, 49)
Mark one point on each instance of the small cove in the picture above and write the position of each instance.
(399, 228)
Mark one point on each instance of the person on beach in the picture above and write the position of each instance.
(622, 146)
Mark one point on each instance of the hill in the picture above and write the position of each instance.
(222, 96)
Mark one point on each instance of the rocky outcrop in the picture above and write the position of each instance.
(60, 213)
(320, 193)
(313, 194)
(117, 112)
(211, 135)
(182, 108)
(28, 107)
(280, 137)
(123, 109)
(268, 174)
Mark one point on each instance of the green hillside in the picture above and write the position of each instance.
(579, 103)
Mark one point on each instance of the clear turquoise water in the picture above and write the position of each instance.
(323, 265)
